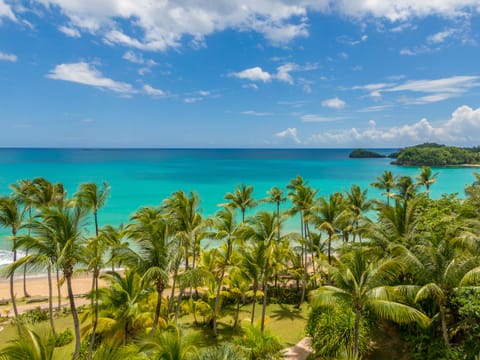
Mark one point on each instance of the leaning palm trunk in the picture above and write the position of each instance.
(73, 309)
(96, 275)
(12, 291)
(59, 294)
(444, 325)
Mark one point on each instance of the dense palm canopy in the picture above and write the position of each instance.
(415, 260)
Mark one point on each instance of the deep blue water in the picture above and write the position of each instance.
(141, 177)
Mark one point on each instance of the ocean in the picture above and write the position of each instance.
(142, 177)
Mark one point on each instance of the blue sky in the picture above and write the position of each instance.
(231, 73)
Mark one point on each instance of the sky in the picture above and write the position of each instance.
(239, 73)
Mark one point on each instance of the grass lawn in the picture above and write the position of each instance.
(284, 321)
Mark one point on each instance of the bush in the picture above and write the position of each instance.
(64, 338)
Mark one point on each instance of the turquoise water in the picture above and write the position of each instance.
(145, 177)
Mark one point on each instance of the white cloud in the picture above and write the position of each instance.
(463, 128)
(375, 108)
(149, 90)
(6, 11)
(440, 36)
(437, 89)
(69, 31)
(283, 72)
(334, 103)
(132, 57)
(8, 57)
(319, 118)
(290, 133)
(256, 113)
(86, 74)
(167, 24)
(253, 74)
(192, 100)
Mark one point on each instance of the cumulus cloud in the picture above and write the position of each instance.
(283, 73)
(86, 74)
(290, 133)
(159, 25)
(463, 128)
(334, 103)
(253, 74)
(8, 57)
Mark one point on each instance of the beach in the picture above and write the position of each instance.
(37, 287)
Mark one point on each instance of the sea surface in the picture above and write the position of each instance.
(141, 177)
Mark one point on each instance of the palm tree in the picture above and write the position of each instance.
(121, 313)
(112, 237)
(226, 230)
(426, 178)
(303, 200)
(151, 231)
(11, 217)
(328, 216)
(363, 283)
(277, 197)
(24, 192)
(241, 198)
(406, 188)
(170, 344)
(91, 197)
(65, 225)
(33, 344)
(262, 232)
(357, 204)
(385, 182)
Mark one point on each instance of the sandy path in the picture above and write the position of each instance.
(301, 351)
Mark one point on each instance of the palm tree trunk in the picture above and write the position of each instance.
(329, 251)
(25, 292)
(264, 307)
(356, 334)
(12, 291)
(94, 305)
(237, 315)
(179, 302)
(252, 316)
(50, 298)
(159, 286)
(172, 294)
(217, 303)
(444, 325)
(76, 324)
(59, 294)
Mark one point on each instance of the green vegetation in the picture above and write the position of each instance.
(407, 274)
(431, 154)
(363, 153)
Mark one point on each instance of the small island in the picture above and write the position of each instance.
(363, 154)
(432, 154)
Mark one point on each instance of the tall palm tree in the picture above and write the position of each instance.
(11, 217)
(303, 200)
(151, 231)
(276, 196)
(241, 199)
(113, 237)
(327, 217)
(363, 284)
(386, 182)
(64, 225)
(406, 188)
(426, 178)
(357, 204)
(24, 193)
(92, 197)
(262, 231)
(226, 230)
